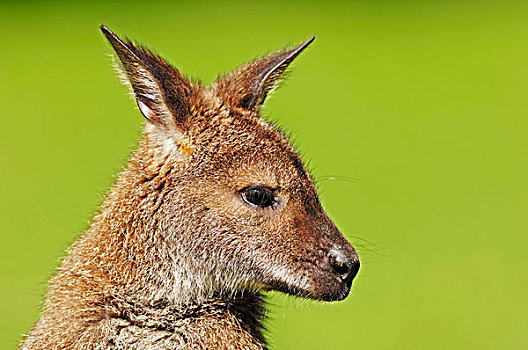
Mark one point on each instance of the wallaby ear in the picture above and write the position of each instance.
(248, 86)
(162, 93)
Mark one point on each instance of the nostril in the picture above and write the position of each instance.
(345, 268)
(354, 269)
(339, 265)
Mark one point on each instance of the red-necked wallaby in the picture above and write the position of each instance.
(213, 208)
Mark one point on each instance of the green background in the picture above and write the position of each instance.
(418, 109)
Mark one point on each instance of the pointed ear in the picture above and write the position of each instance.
(162, 93)
(248, 86)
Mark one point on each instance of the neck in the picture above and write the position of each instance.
(234, 320)
(123, 268)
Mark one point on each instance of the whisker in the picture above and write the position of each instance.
(340, 178)
(363, 240)
(368, 248)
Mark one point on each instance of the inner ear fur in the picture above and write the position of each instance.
(163, 94)
(248, 86)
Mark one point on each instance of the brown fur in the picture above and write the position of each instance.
(175, 258)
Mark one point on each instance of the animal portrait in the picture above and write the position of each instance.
(297, 175)
(214, 208)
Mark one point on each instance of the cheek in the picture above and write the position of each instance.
(275, 237)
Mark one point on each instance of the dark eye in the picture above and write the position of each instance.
(259, 196)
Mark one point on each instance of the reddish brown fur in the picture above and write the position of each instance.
(175, 258)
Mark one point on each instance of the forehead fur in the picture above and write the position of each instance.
(239, 139)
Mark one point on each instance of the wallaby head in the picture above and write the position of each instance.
(213, 207)
(231, 200)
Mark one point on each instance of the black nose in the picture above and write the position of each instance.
(346, 268)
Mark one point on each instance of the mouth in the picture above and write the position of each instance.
(331, 282)
(329, 288)
(336, 293)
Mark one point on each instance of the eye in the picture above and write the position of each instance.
(259, 196)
